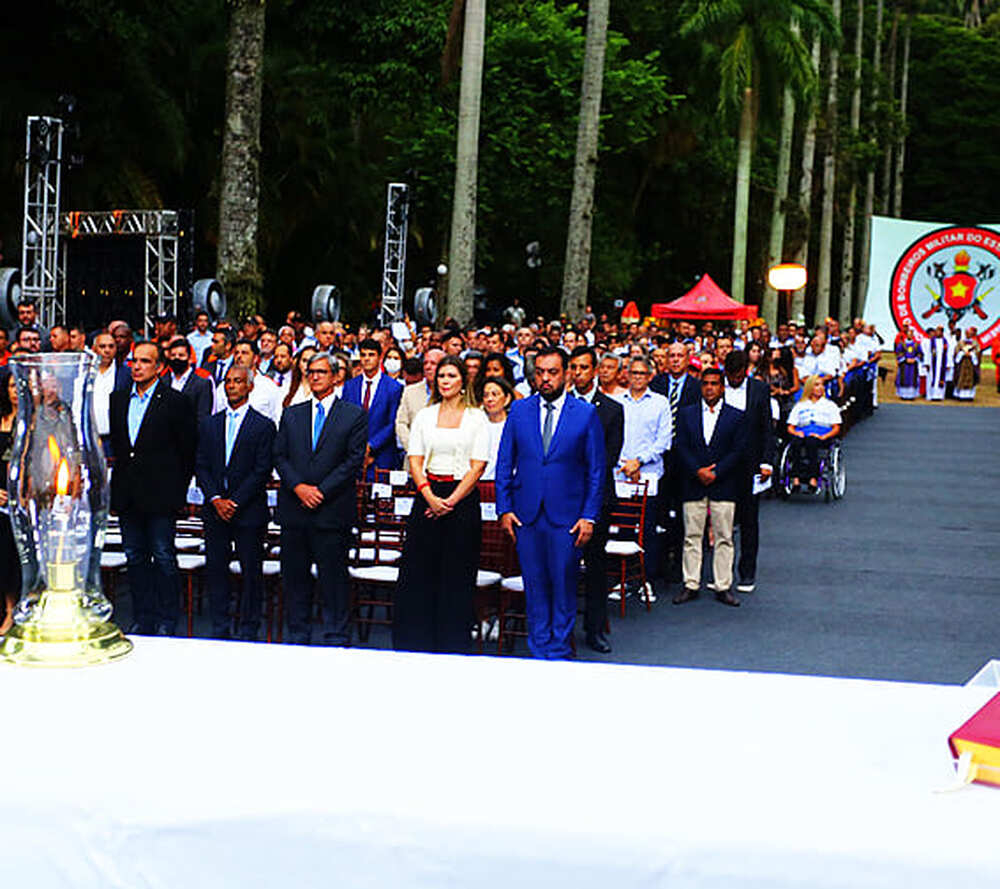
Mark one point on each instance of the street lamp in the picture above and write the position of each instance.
(786, 278)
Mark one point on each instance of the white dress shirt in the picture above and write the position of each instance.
(542, 413)
(177, 382)
(375, 380)
(104, 385)
(737, 397)
(588, 396)
(265, 397)
(327, 405)
(709, 417)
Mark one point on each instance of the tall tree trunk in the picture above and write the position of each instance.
(866, 221)
(776, 248)
(806, 186)
(236, 261)
(847, 260)
(742, 204)
(824, 274)
(886, 202)
(897, 196)
(581, 211)
(462, 251)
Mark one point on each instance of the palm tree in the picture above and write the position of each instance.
(866, 219)
(847, 259)
(798, 309)
(761, 52)
(236, 262)
(581, 212)
(824, 270)
(897, 194)
(462, 251)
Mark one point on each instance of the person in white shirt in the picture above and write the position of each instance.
(498, 395)
(813, 420)
(104, 385)
(449, 448)
(200, 338)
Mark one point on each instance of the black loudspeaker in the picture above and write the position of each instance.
(10, 295)
(424, 307)
(325, 304)
(207, 295)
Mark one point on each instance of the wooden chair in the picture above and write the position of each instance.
(626, 546)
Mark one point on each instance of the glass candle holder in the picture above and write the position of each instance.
(57, 483)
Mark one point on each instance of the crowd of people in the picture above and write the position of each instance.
(943, 364)
(561, 417)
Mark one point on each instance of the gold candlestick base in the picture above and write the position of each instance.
(58, 634)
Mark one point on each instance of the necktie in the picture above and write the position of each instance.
(675, 397)
(280, 379)
(230, 435)
(318, 423)
(368, 394)
(547, 428)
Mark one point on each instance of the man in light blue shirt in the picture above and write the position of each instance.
(648, 434)
(200, 338)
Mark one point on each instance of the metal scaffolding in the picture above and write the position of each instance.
(162, 231)
(394, 265)
(41, 264)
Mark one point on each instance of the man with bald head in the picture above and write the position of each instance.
(416, 396)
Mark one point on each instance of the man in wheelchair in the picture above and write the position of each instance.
(813, 422)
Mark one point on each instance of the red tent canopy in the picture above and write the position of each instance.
(706, 300)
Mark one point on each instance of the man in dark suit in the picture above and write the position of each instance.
(583, 372)
(680, 389)
(153, 440)
(753, 397)
(550, 479)
(709, 450)
(378, 394)
(233, 466)
(318, 453)
(220, 354)
(193, 384)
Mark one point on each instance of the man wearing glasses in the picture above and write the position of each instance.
(318, 452)
(648, 434)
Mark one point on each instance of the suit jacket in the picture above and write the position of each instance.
(200, 393)
(244, 478)
(332, 467)
(152, 476)
(726, 450)
(568, 481)
(612, 417)
(690, 389)
(413, 399)
(759, 434)
(381, 416)
(123, 377)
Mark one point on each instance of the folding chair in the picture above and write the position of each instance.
(626, 538)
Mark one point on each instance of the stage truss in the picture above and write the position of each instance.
(162, 230)
(394, 264)
(41, 270)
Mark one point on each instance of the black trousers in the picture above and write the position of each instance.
(595, 577)
(432, 610)
(805, 457)
(747, 509)
(220, 538)
(670, 502)
(327, 548)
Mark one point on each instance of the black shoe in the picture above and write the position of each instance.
(685, 596)
(599, 643)
(727, 598)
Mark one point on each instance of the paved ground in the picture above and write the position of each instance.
(899, 580)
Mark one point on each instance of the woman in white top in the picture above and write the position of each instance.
(498, 394)
(449, 446)
(298, 388)
(813, 420)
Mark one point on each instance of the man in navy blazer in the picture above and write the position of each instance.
(378, 394)
(232, 466)
(550, 483)
(318, 453)
(709, 450)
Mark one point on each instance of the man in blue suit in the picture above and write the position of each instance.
(549, 483)
(378, 394)
(318, 453)
(232, 466)
(709, 450)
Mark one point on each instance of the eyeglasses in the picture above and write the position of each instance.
(319, 373)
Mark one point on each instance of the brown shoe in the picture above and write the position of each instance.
(727, 598)
(685, 596)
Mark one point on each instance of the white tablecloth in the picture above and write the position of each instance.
(207, 764)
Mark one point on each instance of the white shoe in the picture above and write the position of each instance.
(748, 587)
(615, 595)
(646, 593)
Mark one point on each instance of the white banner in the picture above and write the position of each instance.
(928, 273)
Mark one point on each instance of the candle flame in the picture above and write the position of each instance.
(54, 452)
(62, 477)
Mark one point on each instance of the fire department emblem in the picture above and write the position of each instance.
(949, 275)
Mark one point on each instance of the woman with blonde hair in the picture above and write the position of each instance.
(448, 451)
(813, 420)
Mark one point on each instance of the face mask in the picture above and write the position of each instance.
(392, 365)
(178, 365)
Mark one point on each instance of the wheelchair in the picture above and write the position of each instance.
(832, 478)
